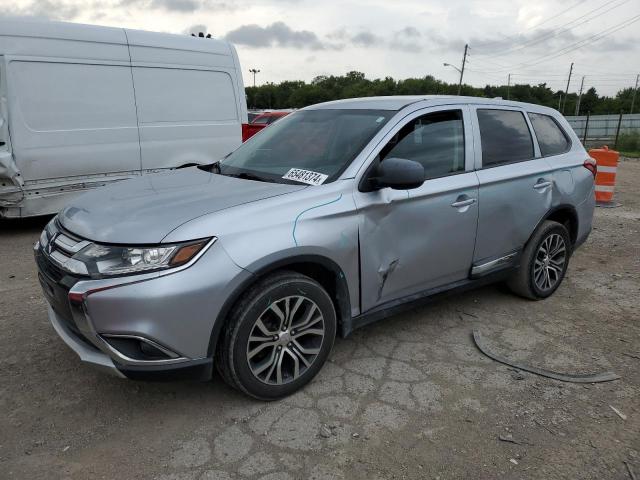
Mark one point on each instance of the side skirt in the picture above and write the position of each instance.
(400, 305)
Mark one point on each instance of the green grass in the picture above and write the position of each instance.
(630, 154)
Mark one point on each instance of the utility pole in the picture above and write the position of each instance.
(464, 61)
(579, 97)
(508, 86)
(566, 91)
(635, 90)
(254, 71)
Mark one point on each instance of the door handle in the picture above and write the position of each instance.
(463, 203)
(542, 184)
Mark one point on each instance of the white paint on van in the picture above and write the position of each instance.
(87, 105)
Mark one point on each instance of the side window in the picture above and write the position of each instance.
(551, 138)
(435, 140)
(505, 137)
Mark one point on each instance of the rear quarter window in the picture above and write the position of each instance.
(505, 137)
(551, 138)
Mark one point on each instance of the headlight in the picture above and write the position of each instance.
(120, 260)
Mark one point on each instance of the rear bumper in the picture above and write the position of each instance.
(585, 211)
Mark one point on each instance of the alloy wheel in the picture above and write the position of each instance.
(285, 340)
(549, 262)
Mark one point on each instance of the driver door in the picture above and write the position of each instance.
(416, 240)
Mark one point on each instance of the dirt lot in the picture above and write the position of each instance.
(409, 397)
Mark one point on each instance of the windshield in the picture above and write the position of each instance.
(323, 142)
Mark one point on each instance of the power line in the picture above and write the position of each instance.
(556, 32)
(536, 25)
(582, 43)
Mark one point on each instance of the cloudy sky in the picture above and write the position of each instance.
(535, 41)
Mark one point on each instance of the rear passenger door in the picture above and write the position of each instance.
(516, 185)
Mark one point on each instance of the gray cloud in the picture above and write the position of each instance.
(177, 5)
(360, 39)
(365, 39)
(409, 39)
(180, 6)
(277, 34)
(48, 10)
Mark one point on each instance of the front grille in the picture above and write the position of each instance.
(56, 284)
(48, 268)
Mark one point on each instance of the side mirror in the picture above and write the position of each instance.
(399, 174)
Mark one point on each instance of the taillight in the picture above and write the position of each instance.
(591, 165)
(245, 132)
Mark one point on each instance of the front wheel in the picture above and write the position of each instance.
(278, 336)
(544, 262)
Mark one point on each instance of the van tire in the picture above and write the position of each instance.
(523, 282)
(233, 354)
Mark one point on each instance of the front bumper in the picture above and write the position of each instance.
(174, 310)
(90, 354)
(87, 352)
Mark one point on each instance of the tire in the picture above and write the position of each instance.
(286, 349)
(529, 281)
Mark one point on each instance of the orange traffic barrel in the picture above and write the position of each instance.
(607, 161)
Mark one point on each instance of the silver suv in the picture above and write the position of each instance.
(336, 216)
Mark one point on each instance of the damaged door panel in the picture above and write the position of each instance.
(414, 240)
(11, 182)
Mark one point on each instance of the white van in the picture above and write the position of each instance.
(82, 106)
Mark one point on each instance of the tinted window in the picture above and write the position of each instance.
(435, 140)
(505, 137)
(551, 139)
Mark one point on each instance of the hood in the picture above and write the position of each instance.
(144, 210)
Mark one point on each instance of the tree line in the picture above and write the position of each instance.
(298, 94)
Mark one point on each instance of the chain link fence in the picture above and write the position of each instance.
(598, 130)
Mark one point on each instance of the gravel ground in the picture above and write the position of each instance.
(408, 397)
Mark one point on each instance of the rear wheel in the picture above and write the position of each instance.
(544, 262)
(278, 337)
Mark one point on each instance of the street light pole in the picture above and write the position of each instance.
(464, 61)
(508, 86)
(461, 70)
(635, 90)
(579, 97)
(566, 91)
(254, 71)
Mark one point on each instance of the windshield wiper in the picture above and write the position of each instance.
(211, 167)
(215, 168)
(249, 176)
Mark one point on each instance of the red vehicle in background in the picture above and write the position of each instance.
(261, 121)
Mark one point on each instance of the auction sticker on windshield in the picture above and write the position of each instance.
(305, 176)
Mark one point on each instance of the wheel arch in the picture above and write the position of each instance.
(320, 268)
(565, 215)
